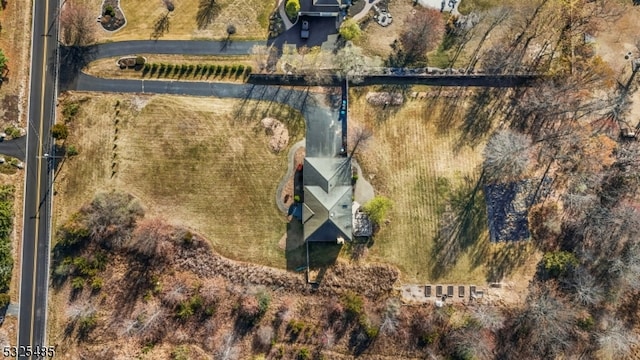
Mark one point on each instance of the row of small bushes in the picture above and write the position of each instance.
(207, 70)
(6, 228)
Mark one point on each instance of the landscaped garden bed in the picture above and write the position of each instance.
(112, 17)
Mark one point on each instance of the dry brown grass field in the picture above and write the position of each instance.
(250, 17)
(192, 161)
(418, 160)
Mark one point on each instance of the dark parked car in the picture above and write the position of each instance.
(304, 33)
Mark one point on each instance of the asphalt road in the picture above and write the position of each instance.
(37, 200)
(195, 47)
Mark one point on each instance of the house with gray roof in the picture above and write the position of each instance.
(326, 212)
(321, 8)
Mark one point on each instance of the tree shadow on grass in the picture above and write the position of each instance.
(478, 120)
(208, 10)
(281, 103)
(160, 26)
(463, 226)
(505, 258)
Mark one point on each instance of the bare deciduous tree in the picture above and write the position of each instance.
(111, 217)
(175, 295)
(153, 239)
(584, 288)
(264, 336)
(359, 136)
(77, 25)
(488, 317)
(423, 32)
(506, 156)
(546, 326)
(616, 341)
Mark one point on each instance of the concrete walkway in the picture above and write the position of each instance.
(363, 191)
(368, 5)
(285, 179)
(13, 309)
(283, 14)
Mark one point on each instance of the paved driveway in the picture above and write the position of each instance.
(320, 29)
(15, 148)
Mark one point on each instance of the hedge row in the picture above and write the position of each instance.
(169, 70)
(6, 228)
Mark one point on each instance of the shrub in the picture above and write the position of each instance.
(72, 150)
(183, 68)
(3, 60)
(377, 208)
(70, 110)
(12, 131)
(5, 299)
(59, 131)
(353, 304)
(225, 70)
(77, 283)
(240, 69)
(96, 283)
(557, 263)
(162, 69)
(190, 69)
(154, 68)
(87, 323)
(218, 69)
(146, 69)
(176, 70)
(109, 11)
(264, 299)
(211, 69)
(139, 60)
(292, 8)
(187, 238)
(350, 30)
(296, 198)
(304, 354)
(169, 69)
(296, 327)
(184, 310)
(180, 353)
(586, 323)
(234, 69)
